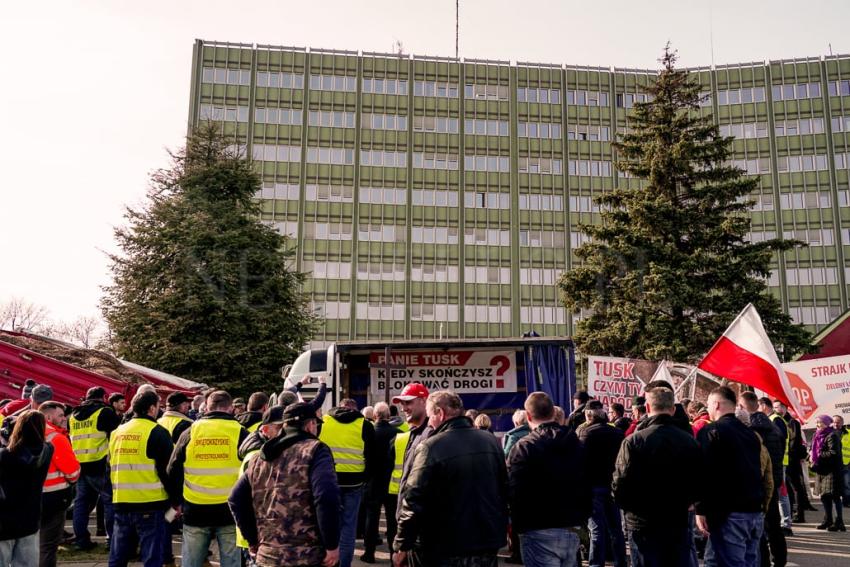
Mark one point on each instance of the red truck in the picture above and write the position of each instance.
(70, 381)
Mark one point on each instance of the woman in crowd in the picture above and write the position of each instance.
(827, 463)
(23, 468)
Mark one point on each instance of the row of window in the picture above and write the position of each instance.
(491, 200)
(539, 276)
(537, 202)
(328, 230)
(799, 126)
(380, 311)
(814, 315)
(752, 166)
(283, 116)
(383, 195)
(223, 113)
(811, 236)
(221, 76)
(384, 271)
(332, 118)
(487, 236)
(332, 309)
(628, 100)
(333, 83)
(737, 96)
(383, 122)
(272, 152)
(486, 92)
(795, 92)
(280, 80)
(593, 168)
(435, 197)
(486, 275)
(486, 127)
(841, 124)
(487, 313)
(282, 191)
(592, 133)
(377, 158)
(587, 98)
(539, 130)
(286, 228)
(433, 273)
(839, 88)
(811, 276)
(336, 193)
(435, 88)
(385, 86)
(540, 165)
(500, 164)
(434, 312)
(746, 130)
(544, 238)
(328, 270)
(544, 315)
(529, 94)
(430, 160)
(802, 163)
(434, 235)
(381, 232)
(437, 124)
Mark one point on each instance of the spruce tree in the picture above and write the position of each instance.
(202, 288)
(668, 266)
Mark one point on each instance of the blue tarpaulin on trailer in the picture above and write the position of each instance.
(551, 369)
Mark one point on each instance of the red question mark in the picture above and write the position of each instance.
(503, 362)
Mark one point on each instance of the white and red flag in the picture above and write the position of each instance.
(745, 354)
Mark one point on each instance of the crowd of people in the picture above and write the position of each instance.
(286, 484)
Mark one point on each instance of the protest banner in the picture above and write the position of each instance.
(618, 380)
(822, 386)
(462, 371)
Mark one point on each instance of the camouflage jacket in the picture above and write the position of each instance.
(288, 530)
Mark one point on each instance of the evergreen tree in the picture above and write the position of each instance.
(668, 267)
(203, 289)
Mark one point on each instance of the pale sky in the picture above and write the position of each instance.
(95, 91)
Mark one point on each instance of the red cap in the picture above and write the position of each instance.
(411, 392)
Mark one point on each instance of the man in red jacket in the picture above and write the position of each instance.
(64, 471)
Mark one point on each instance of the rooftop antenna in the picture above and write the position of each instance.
(457, 28)
(398, 47)
(830, 49)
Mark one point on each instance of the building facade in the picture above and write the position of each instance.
(431, 197)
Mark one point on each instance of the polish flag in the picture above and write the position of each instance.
(744, 354)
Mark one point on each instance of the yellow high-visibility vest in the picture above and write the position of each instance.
(90, 445)
(774, 417)
(845, 448)
(241, 541)
(255, 427)
(346, 443)
(133, 474)
(212, 463)
(171, 419)
(399, 445)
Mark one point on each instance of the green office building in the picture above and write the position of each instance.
(431, 197)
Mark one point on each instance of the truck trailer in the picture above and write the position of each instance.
(493, 376)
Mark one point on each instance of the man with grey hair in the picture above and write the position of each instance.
(659, 455)
(602, 443)
(456, 465)
(378, 486)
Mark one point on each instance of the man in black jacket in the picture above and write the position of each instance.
(602, 444)
(379, 483)
(773, 541)
(656, 480)
(455, 497)
(730, 512)
(258, 403)
(90, 425)
(548, 487)
(576, 418)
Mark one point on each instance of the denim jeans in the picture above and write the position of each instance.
(846, 475)
(90, 488)
(349, 507)
(735, 541)
(21, 552)
(785, 500)
(604, 525)
(145, 528)
(668, 547)
(196, 542)
(554, 547)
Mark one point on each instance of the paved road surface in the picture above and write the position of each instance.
(808, 547)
